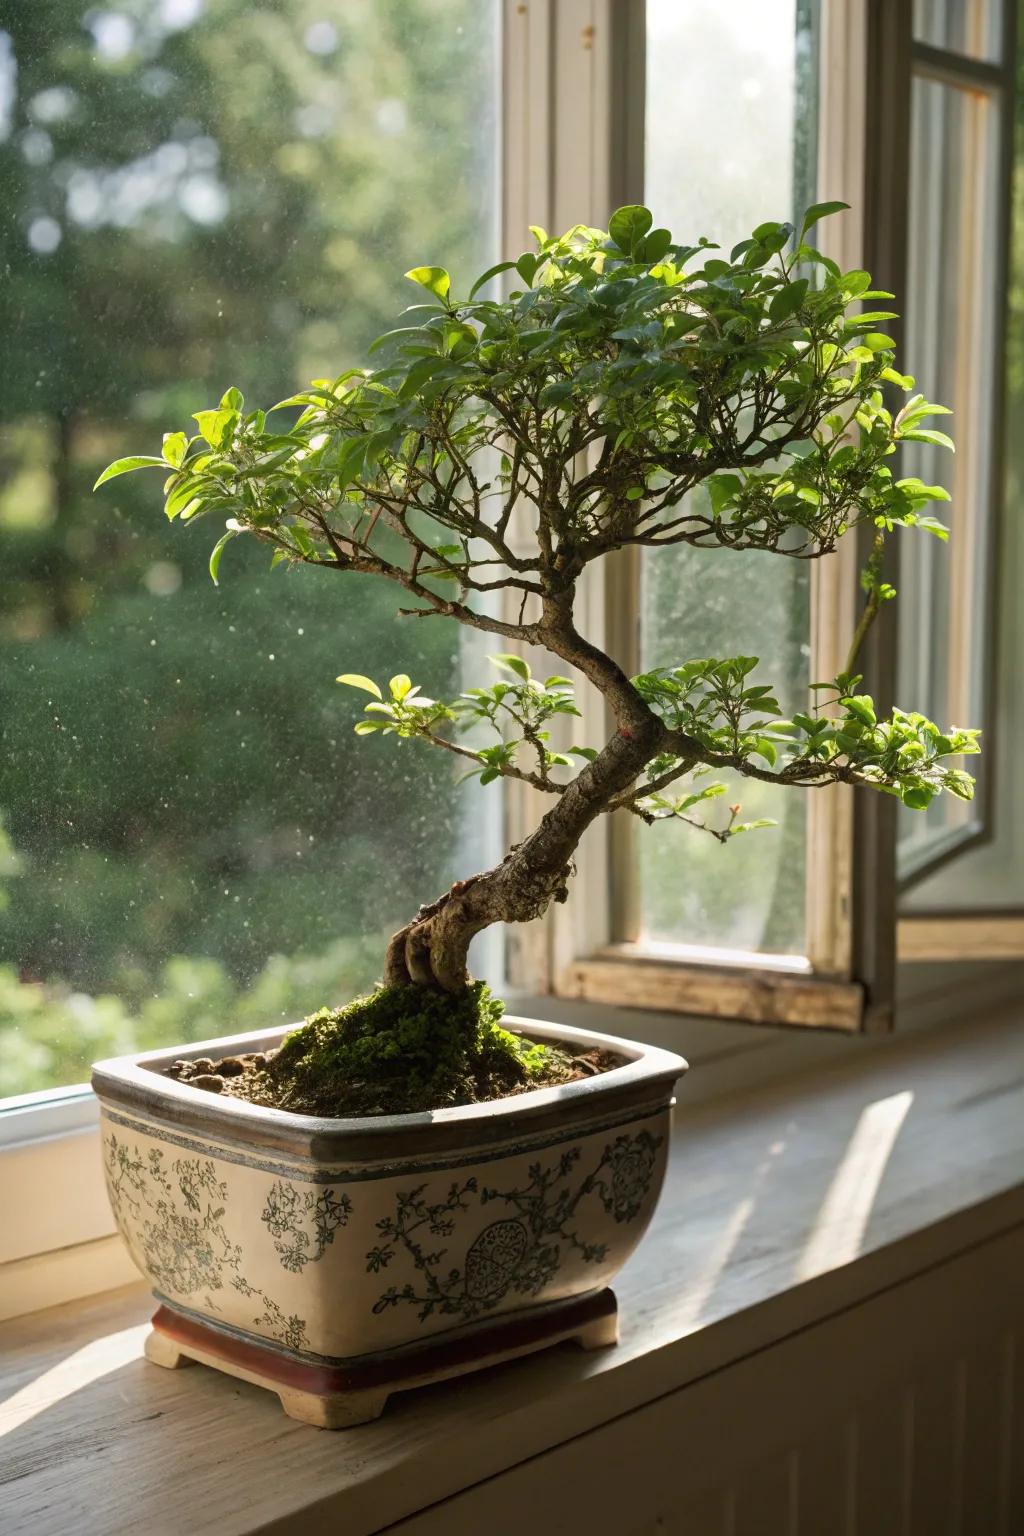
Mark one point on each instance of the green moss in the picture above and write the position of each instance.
(403, 1050)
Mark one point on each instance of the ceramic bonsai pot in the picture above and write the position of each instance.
(336, 1261)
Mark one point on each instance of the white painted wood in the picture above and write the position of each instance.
(93, 1440)
(741, 1439)
(834, 588)
(32, 1222)
(64, 1274)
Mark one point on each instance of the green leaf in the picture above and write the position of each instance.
(723, 489)
(356, 680)
(218, 550)
(175, 448)
(485, 277)
(232, 400)
(349, 464)
(181, 497)
(512, 663)
(125, 467)
(862, 707)
(527, 266)
(654, 246)
(788, 300)
(215, 425)
(929, 435)
(820, 211)
(627, 226)
(557, 393)
(419, 373)
(400, 686)
(435, 279)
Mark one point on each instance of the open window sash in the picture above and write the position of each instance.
(568, 66)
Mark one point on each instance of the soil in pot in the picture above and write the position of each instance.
(400, 1050)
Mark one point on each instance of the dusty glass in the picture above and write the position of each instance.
(195, 195)
(950, 319)
(731, 141)
(973, 27)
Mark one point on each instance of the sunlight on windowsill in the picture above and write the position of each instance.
(80, 1369)
(838, 1232)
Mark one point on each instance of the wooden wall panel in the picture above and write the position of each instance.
(901, 1416)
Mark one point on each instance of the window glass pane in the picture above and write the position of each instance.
(197, 193)
(989, 876)
(973, 27)
(950, 335)
(731, 141)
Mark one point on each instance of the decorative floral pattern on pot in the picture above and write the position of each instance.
(519, 1253)
(172, 1216)
(289, 1214)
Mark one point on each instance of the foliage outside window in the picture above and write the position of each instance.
(189, 189)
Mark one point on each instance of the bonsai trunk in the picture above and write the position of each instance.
(432, 949)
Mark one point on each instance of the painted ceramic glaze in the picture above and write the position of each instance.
(338, 1239)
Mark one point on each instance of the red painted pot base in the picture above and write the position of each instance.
(337, 1397)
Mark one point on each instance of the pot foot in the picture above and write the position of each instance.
(161, 1350)
(600, 1332)
(339, 1410)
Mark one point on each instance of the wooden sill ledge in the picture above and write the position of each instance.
(784, 1205)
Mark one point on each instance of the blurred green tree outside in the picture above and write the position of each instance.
(196, 193)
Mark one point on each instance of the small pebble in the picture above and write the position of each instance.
(208, 1080)
(203, 1064)
(231, 1066)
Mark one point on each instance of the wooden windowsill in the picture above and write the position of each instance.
(784, 1205)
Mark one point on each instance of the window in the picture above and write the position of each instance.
(911, 126)
(193, 196)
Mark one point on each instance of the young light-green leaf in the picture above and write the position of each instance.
(215, 425)
(434, 279)
(125, 467)
(175, 447)
(356, 680)
(514, 664)
(218, 550)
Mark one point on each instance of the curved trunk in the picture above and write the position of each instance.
(432, 949)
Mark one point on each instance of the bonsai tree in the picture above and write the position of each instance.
(505, 445)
